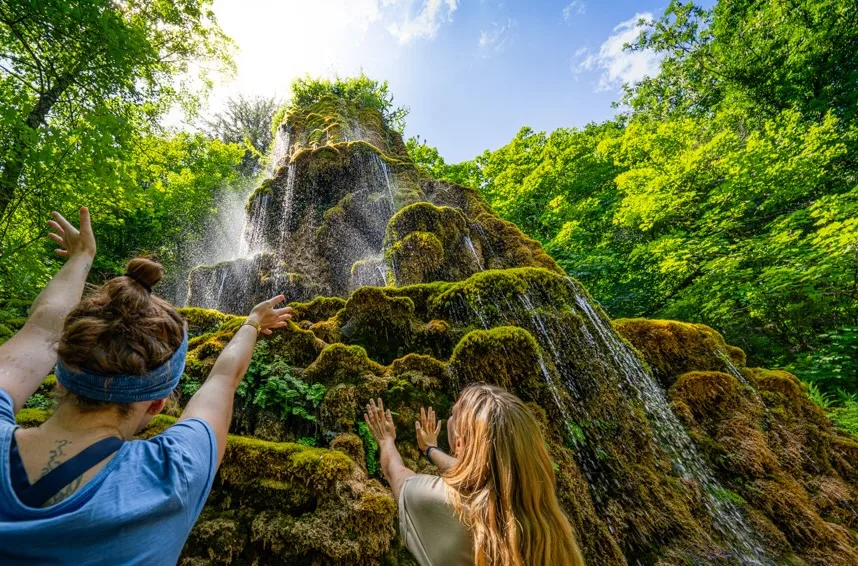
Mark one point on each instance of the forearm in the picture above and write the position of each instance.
(61, 295)
(233, 362)
(393, 467)
(442, 460)
(213, 403)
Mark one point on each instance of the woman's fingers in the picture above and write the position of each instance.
(61, 253)
(56, 227)
(438, 428)
(56, 238)
(66, 225)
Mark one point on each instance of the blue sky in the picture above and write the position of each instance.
(473, 72)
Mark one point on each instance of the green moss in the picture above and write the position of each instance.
(339, 364)
(204, 320)
(29, 418)
(490, 293)
(507, 356)
(294, 345)
(672, 348)
(378, 321)
(5, 333)
(320, 308)
(416, 258)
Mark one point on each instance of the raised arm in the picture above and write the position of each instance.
(30, 355)
(213, 402)
(384, 432)
(427, 437)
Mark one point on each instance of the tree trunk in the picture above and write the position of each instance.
(16, 157)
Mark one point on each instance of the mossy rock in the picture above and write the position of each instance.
(416, 258)
(29, 418)
(338, 364)
(317, 310)
(506, 356)
(378, 321)
(672, 348)
(203, 320)
(429, 243)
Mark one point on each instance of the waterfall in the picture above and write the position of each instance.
(673, 438)
(383, 174)
(253, 240)
(636, 381)
(470, 244)
(279, 150)
(286, 199)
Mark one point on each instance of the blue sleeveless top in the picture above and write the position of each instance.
(138, 509)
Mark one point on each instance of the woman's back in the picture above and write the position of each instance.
(137, 509)
(428, 526)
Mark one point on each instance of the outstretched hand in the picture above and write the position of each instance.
(427, 429)
(72, 242)
(267, 318)
(380, 422)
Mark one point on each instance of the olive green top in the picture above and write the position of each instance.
(429, 527)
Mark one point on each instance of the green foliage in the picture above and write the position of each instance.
(361, 90)
(247, 122)
(726, 195)
(38, 401)
(307, 441)
(189, 385)
(834, 364)
(760, 57)
(279, 390)
(370, 447)
(84, 85)
(845, 416)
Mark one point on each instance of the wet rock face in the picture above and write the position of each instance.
(342, 211)
(667, 449)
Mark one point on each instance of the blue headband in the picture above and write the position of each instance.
(125, 388)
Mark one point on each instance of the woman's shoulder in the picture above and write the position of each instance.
(425, 488)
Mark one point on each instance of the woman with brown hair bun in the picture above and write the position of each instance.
(78, 489)
(494, 503)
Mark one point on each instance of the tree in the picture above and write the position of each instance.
(246, 121)
(80, 82)
(764, 56)
(362, 90)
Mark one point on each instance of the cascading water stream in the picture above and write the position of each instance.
(279, 150)
(669, 433)
(674, 439)
(470, 244)
(384, 175)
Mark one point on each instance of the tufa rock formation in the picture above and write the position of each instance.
(667, 449)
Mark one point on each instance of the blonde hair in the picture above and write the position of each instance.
(503, 484)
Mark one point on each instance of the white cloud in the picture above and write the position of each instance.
(616, 65)
(496, 40)
(424, 24)
(576, 7)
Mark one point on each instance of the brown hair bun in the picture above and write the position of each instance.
(123, 328)
(145, 272)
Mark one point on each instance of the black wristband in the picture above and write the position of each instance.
(429, 450)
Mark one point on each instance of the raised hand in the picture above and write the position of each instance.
(72, 242)
(380, 422)
(427, 429)
(266, 318)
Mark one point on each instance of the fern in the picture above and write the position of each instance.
(818, 397)
(370, 446)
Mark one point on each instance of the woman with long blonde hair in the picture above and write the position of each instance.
(495, 502)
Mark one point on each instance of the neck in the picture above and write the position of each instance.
(69, 419)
